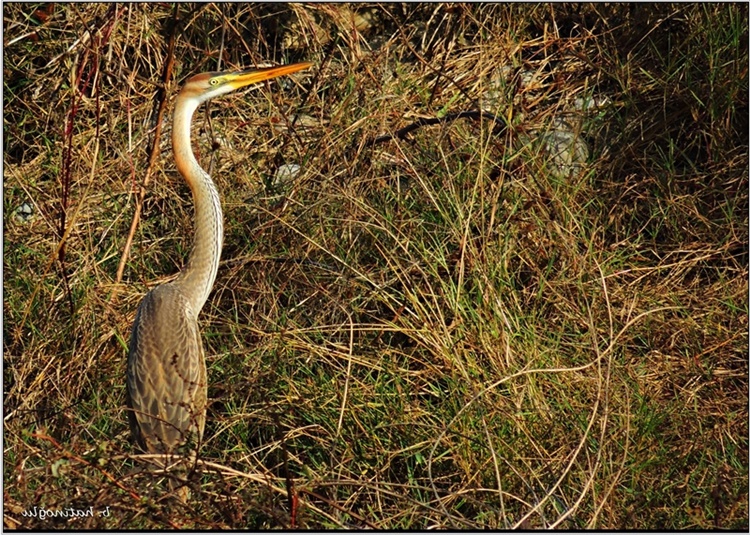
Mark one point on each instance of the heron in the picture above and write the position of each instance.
(166, 371)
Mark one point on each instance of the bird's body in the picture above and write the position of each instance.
(167, 392)
(166, 371)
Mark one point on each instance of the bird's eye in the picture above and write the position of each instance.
(214, 81)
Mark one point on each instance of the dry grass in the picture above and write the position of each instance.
(439, 331)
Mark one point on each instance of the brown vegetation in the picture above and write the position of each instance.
(451, 328)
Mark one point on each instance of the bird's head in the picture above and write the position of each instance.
(208, 85)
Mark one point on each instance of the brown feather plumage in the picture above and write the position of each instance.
(166, 379)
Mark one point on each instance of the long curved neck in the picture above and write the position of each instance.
(198, 276)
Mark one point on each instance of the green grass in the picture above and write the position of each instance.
(441, 331)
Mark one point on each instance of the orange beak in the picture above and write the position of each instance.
(253, 76)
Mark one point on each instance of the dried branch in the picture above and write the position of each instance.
(162, 106)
